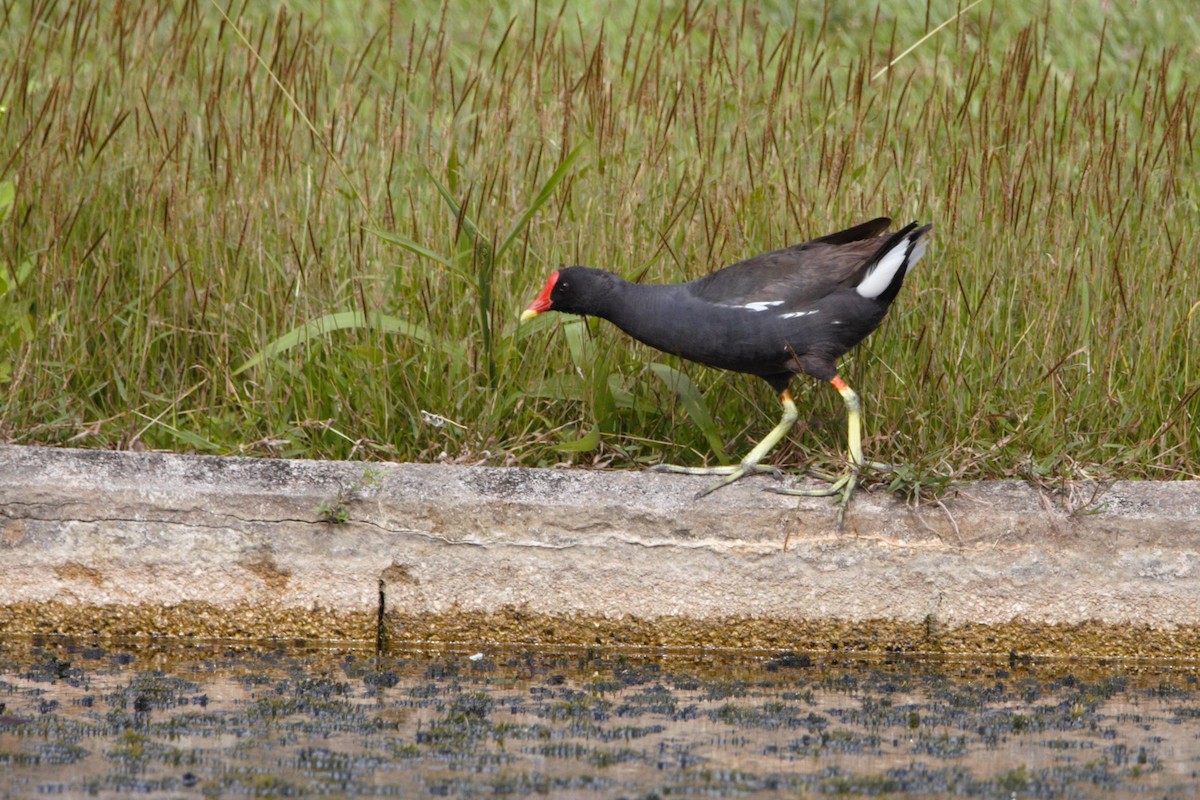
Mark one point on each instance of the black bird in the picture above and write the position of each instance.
(774, 315)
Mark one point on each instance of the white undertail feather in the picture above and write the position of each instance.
(917, 252)
(880, 275)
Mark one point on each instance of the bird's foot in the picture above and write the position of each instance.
(842, 485)
(730, 473)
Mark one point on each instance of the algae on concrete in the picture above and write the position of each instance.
(168, 545)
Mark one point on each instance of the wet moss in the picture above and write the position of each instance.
(192, 620)
(788, 641)
(1018, 639)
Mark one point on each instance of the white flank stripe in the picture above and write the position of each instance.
(882, 273)
(758, 305)
(792, 314)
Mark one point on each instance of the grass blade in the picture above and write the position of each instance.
(544, 195)
(694, 405)
(418, 249)
(351, 320)
(189, 439)
(589, 441)
(468, 224)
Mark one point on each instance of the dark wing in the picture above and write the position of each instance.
(797, 275)
(865, 230)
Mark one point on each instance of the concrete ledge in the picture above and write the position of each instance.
(200, 546)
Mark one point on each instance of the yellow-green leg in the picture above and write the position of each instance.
(750, 464)
(846, 483)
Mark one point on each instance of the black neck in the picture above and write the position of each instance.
(644, 312)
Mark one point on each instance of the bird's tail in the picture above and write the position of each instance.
(883, 275)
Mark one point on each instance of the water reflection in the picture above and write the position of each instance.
(195, 720)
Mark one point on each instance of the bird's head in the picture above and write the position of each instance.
(573, 290)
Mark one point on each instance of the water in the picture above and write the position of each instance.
(85, 719)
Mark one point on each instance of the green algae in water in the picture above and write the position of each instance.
(80, 718)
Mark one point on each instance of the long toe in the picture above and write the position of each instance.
(837, 486)
(868, 466)
(736, 474)
(694, 470)
(843, 487)
(847, 493)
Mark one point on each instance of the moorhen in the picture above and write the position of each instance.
(773, 315)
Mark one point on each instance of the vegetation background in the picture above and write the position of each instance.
(307, 229)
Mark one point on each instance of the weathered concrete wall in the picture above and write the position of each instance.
(225, 546)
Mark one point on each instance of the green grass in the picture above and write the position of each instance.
(314, 239)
